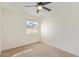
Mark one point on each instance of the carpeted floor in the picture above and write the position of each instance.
(36, 50)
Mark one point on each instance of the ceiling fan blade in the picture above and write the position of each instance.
(46, 8)
(37, 11)
(43, 3)
(46, 3)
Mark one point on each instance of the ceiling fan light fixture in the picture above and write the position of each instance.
(39, 7)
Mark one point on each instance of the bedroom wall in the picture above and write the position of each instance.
(62, 31)
(0, 30)
(14, 30)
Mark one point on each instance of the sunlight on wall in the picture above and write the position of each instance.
(46, 29)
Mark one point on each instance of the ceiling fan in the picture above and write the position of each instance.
(40, 5)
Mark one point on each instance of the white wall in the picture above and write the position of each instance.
(14, 30)
(66, 25)
(0, 30)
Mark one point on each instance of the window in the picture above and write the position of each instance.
(32, 27)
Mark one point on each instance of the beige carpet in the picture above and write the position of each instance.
(41, 50)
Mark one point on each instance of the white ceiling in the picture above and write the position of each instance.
(19, 6)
